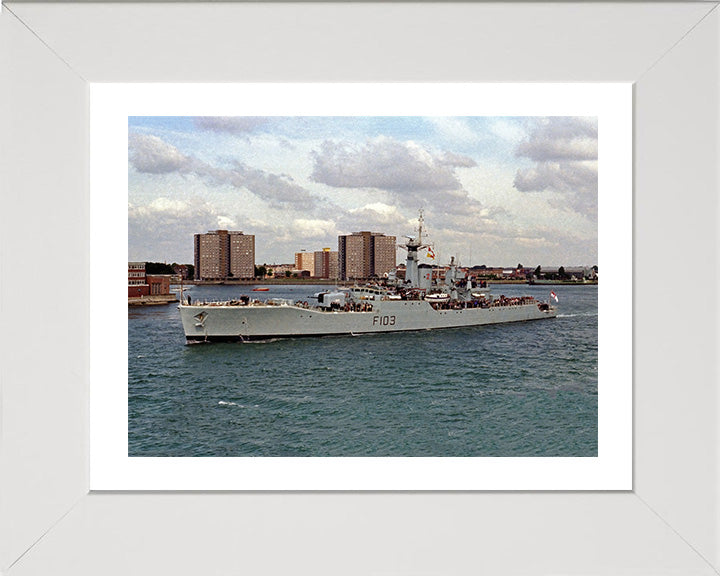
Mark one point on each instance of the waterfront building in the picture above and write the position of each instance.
(365, 255)
(182, 271)
(159, 284)
(147, 288)
(305, 261)
(326, 263)
(280, 270)
(223, 255)
(384, 254)
(137, 280)
(242, 255)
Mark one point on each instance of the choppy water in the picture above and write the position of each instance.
(524, 389)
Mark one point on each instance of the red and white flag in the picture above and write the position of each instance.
(553, 295)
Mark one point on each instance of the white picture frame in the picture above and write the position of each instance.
(668, 523)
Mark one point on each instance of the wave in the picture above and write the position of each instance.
(576, 315)
(223, 403)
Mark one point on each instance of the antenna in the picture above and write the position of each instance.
(421, 220)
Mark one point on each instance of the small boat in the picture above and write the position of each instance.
(438, 297)
(260, 289)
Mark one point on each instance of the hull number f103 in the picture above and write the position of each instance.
(383, 320)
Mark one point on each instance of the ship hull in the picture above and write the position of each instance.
(266, 322)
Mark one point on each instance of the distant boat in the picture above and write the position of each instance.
(260, 289)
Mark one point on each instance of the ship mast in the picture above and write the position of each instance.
(412, 273)
(421, 220)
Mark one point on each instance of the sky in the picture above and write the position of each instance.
(499, 191)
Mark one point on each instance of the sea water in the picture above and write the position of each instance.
(520, 389)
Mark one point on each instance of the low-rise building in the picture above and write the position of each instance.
(158, 284)
(280, 270)
(137, 280)
(182, 271)
(146, 288)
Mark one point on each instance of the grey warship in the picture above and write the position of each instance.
(416, 302)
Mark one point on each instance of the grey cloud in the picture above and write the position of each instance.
(564, 150)
(546, 150)
(387, 165)
(410, 175)
(151, 155)
(560, 177)
(566, 127)
(578, 181)
(456, 160)
(277, 190)
(239, 125)
(561, 138)
(391, 223)
(156, 232)
(569, 250)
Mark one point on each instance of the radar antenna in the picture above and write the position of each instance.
(416, 243)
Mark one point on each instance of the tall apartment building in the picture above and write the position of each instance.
(384, 254)
(242, 255)
(365, 254)
(222, 255)
(326, 264)
(305, 261)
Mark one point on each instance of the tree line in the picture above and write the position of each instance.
(164, 268)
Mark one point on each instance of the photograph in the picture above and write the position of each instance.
(362, 286)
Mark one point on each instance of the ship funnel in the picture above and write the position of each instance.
(425, 276)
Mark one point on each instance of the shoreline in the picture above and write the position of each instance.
(153, 300)
(325, 281)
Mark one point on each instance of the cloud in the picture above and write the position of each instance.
(238, 125)
(455, 160)
(452, 129)
(561, 177)
(560, 139)
(376, 216)
(305, 228)
(541, 242)
(506, 129)
(567, 248)
(154, 229)
(151, 155)
(224, 222)
(409, 174)
(565, 151)
(386, 164)
(166, 211)
(277, 190)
